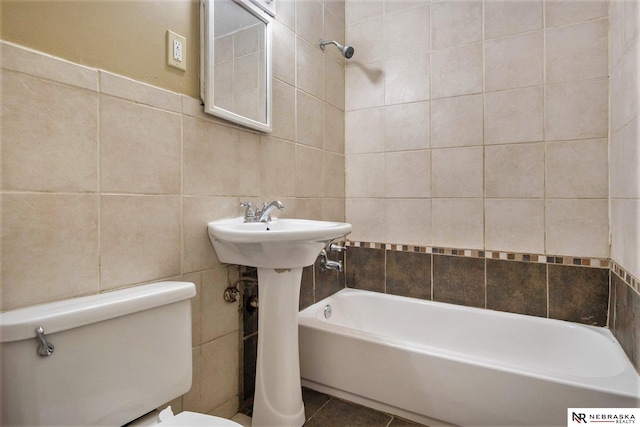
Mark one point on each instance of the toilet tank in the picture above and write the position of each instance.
(117, 356)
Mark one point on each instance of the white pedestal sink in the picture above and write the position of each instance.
(279, 249)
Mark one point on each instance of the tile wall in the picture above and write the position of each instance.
(573, 289)
(479, 125)
(624, 158)
(108, 182)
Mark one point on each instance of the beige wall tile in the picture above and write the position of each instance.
(248, 160)
(368, 217)
(457, 121)
(408, 174)
(406, 126)
(454, 23)
(514, 116)
(333, 175)
(284, 53)
(364, 86)
(559, 12)
(456, 71)
(309, 208)
(408, 221)
(219, 318)
(284, 110)
(577, 52)
(122, 87)
(334, 129)
(625, 88)
(365, 131)
(219, 371)
(309, 120)
(365, 175)
(309, 172)
(514, 225)
(625, 244)
(506, 17)
(367, 37)
(458, 223)
(577, 169)
(406, 32)
(49, 248)
(309, 19)
(577, 110)
(334, 29)
(277, 166)
(406, 79)
(140, 148)
(24, 60)
(624, 162)
(358, 11)
(514, 61)
(334, 83)
(457, 172)
(287, 13)
(336, 7)
(210, 154)
(334, 209)
(139, 239)
(197, 212)
(515, 170)
(49, 135)
(309, 67)
(577, 227)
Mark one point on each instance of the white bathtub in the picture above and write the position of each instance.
(437, 363)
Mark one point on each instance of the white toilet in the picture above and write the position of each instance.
(104, 359)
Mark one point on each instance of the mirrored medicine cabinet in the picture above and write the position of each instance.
(235, 62)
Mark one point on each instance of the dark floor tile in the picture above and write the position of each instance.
(517, 287)
(365, 269)
(409, 274)
(579, 294)
(338, 413)
(313, 401)
(458, 280)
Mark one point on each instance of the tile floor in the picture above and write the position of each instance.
(323, 410)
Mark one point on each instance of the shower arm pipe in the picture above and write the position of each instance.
(347, 51)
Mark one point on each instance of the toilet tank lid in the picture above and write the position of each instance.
(60, 316)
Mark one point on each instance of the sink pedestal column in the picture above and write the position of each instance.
(278, 395)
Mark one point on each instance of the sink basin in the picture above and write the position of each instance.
(280, 243)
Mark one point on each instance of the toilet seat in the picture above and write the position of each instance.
(188, 419)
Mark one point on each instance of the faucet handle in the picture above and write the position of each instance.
(249, 213)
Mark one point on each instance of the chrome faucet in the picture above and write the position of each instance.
(264, 215)
(327, 264)
(257, 215)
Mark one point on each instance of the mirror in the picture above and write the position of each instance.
(235, 77)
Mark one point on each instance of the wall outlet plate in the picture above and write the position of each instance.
(176, 51)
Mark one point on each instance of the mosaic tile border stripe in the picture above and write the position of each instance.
(475, 253)
(627, 277)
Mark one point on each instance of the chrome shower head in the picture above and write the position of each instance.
(347, 51)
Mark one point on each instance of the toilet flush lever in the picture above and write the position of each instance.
(44, 349)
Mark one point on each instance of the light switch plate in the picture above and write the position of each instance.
(176, 51)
